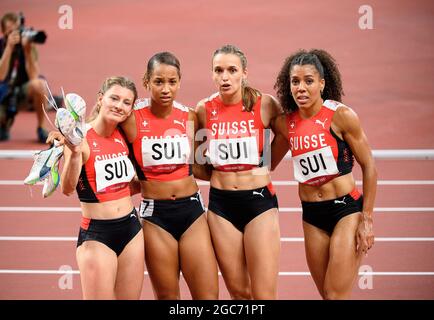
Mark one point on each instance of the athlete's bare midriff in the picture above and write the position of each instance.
(240, 180)
(107, 210)
(175, 189)
(333, 189)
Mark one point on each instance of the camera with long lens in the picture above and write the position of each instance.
(35, 36)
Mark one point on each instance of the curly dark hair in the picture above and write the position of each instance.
(327, 68)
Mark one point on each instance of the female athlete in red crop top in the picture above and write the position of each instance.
(323, 135)
(110, 250)
(177, 236)
(242, 210)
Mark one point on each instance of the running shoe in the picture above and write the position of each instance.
(52, 181)
(67, 126)
(44, 161)
(76, 105)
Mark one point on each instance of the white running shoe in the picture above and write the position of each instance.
(44, 161)
(76, 105)
(67, 126)
(52, 181)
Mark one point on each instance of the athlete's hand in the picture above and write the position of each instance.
(61, 140)
(365, 234)
(55, 135)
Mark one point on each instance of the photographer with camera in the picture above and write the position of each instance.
(20, 82)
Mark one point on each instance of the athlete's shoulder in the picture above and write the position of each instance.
(180, 106)
(333, 105)
(212, 97)
(142, 103)
(345, 117)
(201, 105)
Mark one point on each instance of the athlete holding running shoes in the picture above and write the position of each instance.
(110, 250)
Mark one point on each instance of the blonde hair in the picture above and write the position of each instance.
(107, 84)
(249, 95)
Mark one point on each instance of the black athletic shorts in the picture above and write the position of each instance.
(114, 233)
(326, 214)
(174, 216)
(241, 206)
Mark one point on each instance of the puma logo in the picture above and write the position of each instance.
(322, 123)
(119, 141)
(259, 193)
(179, 122)
(341, 201)
(195, 198)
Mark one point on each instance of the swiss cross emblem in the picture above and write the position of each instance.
(214, 112)
(146, 125)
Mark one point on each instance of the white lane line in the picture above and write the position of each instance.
(282, 210)
(40, 209)
(377, 239)
(283, 239)
(283, 273)
(34, 238)
(275, 182)
(376, 210)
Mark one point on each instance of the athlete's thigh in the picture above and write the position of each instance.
(228, 244)
(98, 268)
(162, 260)
(131, 264)
(317, 245)
(262, 246)
(344, 260)
(198, 261)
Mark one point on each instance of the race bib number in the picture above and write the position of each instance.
(113, 171)
(146, 208)
(164, 151)
(314, 164)
(233, 151)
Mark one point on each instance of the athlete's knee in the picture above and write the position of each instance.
(240, 292)
(264, 294)
(334, 294)
(205, 295)
(167, 295)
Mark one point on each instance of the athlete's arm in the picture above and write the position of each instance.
(129, 127)
(135, 186)
(347, 121)
(201, 169)
(75, 157)
(270, 109)
(280, 144)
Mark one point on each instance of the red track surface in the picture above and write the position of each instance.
(387, 73)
